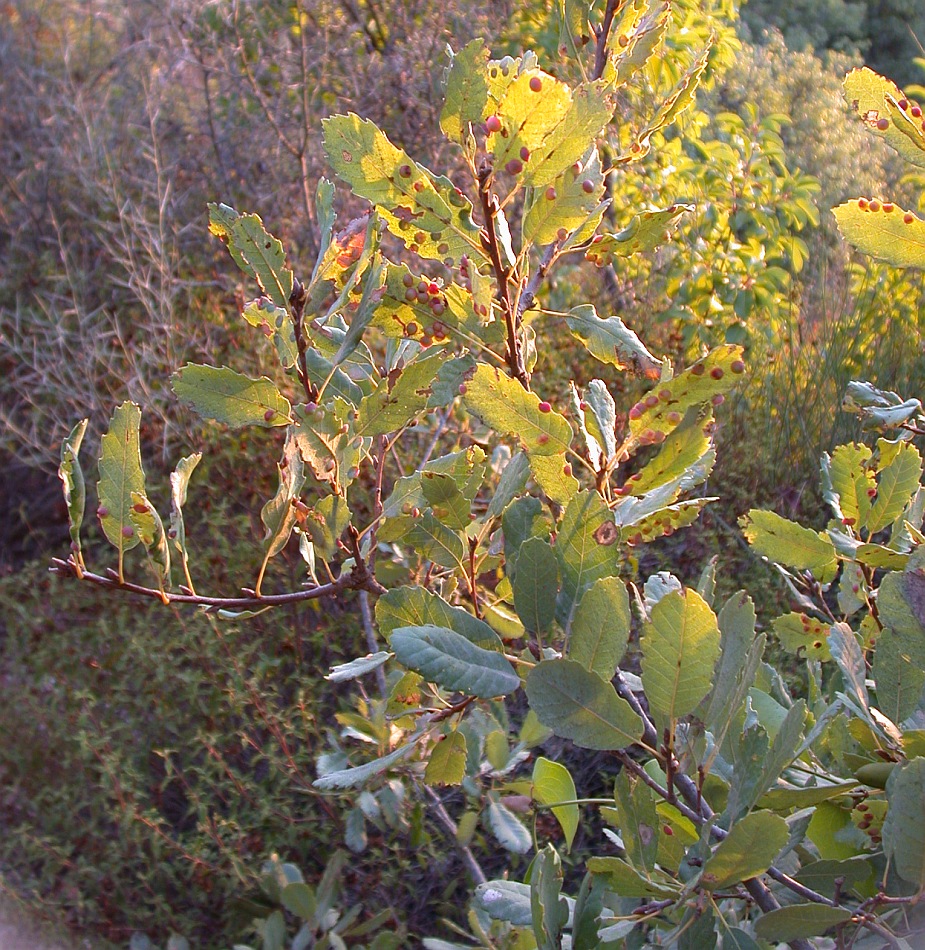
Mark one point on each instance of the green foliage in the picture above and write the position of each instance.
(501, 587)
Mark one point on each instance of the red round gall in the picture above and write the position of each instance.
(544, 407)
(862, 204)
(698, 369)
(717, 372)
(493, 124)
(128, 531)
(269, 414)
(587, 186)
(551, 193)
(525, 154)
(737, 367)
(405, 171)
(514, 167)
(916, 112)
(536, 84)
(718, 399)
(908, 217)
(883, 124)
(102, 512)
(874, 205)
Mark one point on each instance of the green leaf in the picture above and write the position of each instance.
(447, 762)
(278, 514)
(847, 653)
(786, 542)
(750, 849)
(578, 705)
(904, 827)
(601, 627)
(150, 530)
(638, 822)
(553, 474)
(550, 910)
(508, 829)
(326, 443)
(567, 204)
(781, 797)
(501, 402)
(299, 899)
(325, 523)
(897, 483)
(257, 253)
(803, 635)
(663, 409)
(799, 920)
(645, 232)
(883, 230)
(453, 662)
(536, 585)
(899, 675)
(681, 451)
(466, 91)
(852, 482)
(120, 474)
(556, 127)
(574, 29)
(867, 92)
(753, 778)
(275, 323)
(398, 398)
(72, 478)
(436, 542)
(179, 484)
(524, 518)
(627, 881)
(736, 622)
(425, 211)
(585, 548)
(448, 503)
(823, 876)
(343, 672)
(679, 650)
(511, 484)
(600, 416)
(222, 394)
(552, 783)
(507, 900)
(351, 778)
(611, 341)
(416, 606)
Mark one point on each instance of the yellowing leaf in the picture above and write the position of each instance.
(466, 90)
(506, 406)
(425, 211)
(799, 633)
(644, 233)
(869, 93)
(790, 544)
(883, 230)
(447, 762)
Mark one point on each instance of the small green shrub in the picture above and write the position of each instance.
(421, 468)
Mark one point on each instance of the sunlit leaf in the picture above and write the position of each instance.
(222, 394)
(257, 253)
(611, 341)
(120, 474)
(447, 762)
(645, 232)
(425, 211)
(750, 849)
(552, 784)
(680, 646)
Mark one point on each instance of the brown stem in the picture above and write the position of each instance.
(475, 870)
(357, 579)
(603, 38)
(297, 306)
(490, 210)
(473, 586)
